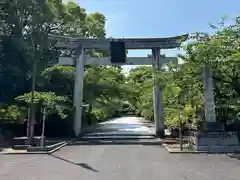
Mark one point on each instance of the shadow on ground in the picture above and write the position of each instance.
(235, 156)
(83, 165)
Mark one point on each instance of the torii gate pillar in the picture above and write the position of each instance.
(78, 90)
(157, 95)
(79, 44)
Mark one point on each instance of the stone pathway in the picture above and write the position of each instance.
(108, 161)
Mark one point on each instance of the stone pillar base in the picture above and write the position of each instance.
(214, 127)
(215, 142)
(160, 133)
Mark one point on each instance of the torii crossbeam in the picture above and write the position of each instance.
(155, 44)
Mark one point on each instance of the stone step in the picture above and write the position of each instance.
(218, 149)
(22, 140)
(117, 142)
(118, 134)
(20, 147)
(215, 126)
(215, 139)
(106, 137)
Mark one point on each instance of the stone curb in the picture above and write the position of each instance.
(22, 153)
(61, 144)
(170, 150)
(66, 143)
(59, 147)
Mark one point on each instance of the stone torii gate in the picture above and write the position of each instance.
(155, 44)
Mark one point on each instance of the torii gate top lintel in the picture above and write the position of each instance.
(130, 43)
(117, 48)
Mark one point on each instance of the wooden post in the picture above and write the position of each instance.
(180, 130)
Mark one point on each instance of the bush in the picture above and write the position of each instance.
(13, 112)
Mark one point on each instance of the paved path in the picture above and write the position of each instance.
(124, 125)
(119, 162)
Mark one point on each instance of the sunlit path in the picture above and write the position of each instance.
(125, 124)
(120, 128)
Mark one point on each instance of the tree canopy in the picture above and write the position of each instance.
(24, 29)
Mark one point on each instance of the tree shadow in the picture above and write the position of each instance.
(83, 165)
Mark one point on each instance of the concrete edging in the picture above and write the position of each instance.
(185, 152)
(61, 144)
(168, 149)
(66, 143)
(22, 153)
(59, 147)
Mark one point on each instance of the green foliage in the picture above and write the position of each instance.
(221, 52)
(59, 79)
(24, 29)
(182, 84)
(24, 35)
(12, 112)
(55, 104)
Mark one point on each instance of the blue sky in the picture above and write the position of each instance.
(159, 18)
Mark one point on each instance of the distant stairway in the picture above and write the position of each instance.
(107, 138)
